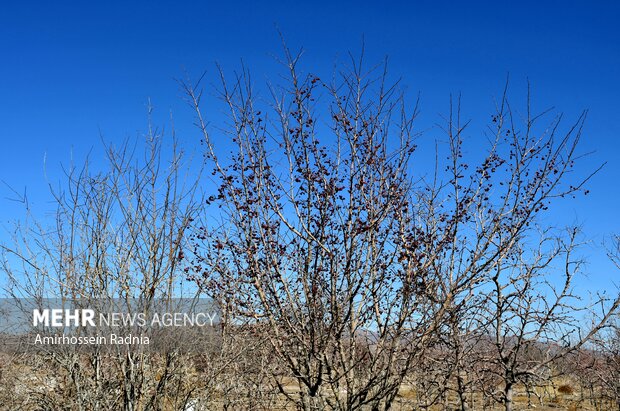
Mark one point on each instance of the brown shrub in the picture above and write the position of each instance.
(566, 389)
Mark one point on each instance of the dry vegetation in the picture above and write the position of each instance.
(347, 278)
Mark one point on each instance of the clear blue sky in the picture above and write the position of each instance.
(69, 71)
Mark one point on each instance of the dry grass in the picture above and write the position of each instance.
(563, 394)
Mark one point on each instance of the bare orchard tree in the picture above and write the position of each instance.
(534, 318)
(115, 233)
(607, 367)
(596, 368)
(462, 349)
(450, 367)
(532, 313)
(497, 264)
(319, 241)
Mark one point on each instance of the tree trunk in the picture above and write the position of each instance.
(508, 392)
(461, 392)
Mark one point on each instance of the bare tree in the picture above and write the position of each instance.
(496, 262)
(602, 371)
(526, 269)
(118, 233)
(607, 367)
(319, 241)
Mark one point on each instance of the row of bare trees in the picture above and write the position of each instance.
(352, 272)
